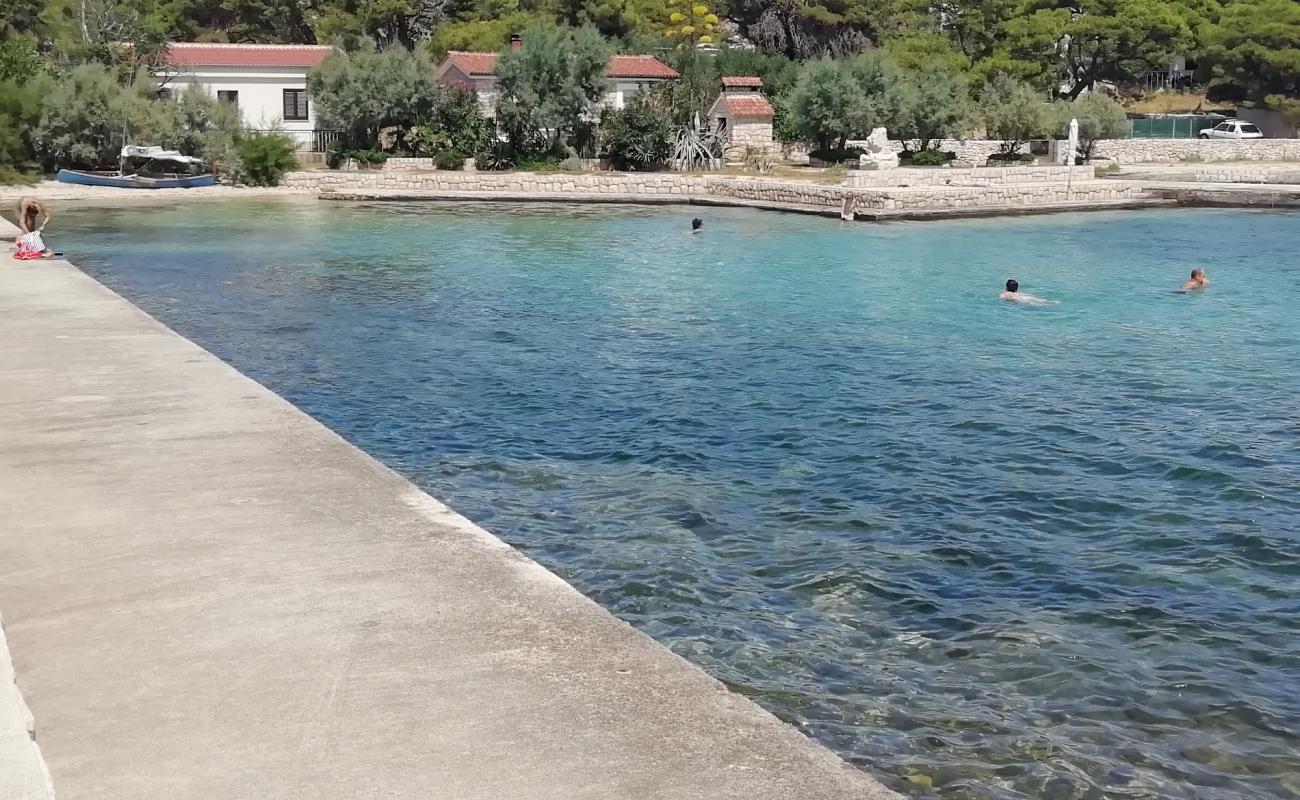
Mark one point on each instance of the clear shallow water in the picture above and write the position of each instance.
(986, 551)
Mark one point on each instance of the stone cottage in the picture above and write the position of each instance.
(745, 116)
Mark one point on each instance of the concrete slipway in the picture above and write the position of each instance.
(209, 595)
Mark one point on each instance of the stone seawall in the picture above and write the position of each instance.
(1041, 187)
(960, 176)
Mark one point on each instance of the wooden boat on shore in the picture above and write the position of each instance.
(147, 175)
(133, 181)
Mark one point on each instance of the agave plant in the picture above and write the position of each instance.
(697, 147)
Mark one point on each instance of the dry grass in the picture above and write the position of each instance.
(1173, 103)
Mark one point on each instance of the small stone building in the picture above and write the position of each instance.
(746, 116)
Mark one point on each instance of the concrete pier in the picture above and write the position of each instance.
(209, 595)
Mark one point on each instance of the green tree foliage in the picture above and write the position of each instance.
(1253, 52)
(701, 78)
(1078, 43)
(20, 109)
(934, 104)
(637, 136)
(87, 116)
(456, 128)
(1014, 112)
(1099, 116)
(550, 87)
(365, 92)
(265, 157)
(201, 126)
(18, 58)
(275, 21)
(833, 101)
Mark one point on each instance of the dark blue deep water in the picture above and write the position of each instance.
(985, 551)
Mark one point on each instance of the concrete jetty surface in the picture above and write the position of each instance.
(209, 595)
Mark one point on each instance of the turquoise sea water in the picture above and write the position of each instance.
(985, 551)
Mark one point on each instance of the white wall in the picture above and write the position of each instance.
(261, 98)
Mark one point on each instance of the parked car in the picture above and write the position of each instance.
(1232, 129)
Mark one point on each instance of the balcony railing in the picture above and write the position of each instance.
(312, 141)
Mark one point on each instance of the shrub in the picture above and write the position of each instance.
(836, 155)
(931, 158)
(1014, 158)
(637, 136)
(760, 160)
(266, 157)
(496, 158)
(449, 159)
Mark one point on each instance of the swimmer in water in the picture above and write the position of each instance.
(1197, 281)
(697, 225)
(1012, 294)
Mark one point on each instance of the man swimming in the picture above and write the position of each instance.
(29, 209)
(1012, 294)
(1197, 281)
(697, 225)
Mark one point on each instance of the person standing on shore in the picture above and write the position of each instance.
(29, 210)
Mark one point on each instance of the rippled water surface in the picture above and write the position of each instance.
(986, 551)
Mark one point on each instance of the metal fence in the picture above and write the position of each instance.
(1170, 127)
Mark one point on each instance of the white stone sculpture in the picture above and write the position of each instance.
(880, 154)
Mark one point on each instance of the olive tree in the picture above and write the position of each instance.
(549, 89)
(1099, 118)
(1013, 112)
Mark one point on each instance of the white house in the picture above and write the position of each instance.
(266, 82)
(626, 75)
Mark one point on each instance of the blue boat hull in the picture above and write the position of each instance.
(133, 181)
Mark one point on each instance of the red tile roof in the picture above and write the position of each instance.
(193, 54)
(750, 105)
(472, 64)
(738, 82)
(638, 67)
(484, 64)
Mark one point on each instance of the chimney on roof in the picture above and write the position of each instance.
(516, 41)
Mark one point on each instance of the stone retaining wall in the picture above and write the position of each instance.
(960, 176)
(1217, 173)
(1047, 188)
(1009, 195)
(408, 164)
(1157, 151)
(23, 774)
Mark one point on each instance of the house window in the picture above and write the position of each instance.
(295, 104)
(229, 97)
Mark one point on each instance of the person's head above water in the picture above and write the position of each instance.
(1198, 274)
(1012, 286)
(696, 224)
